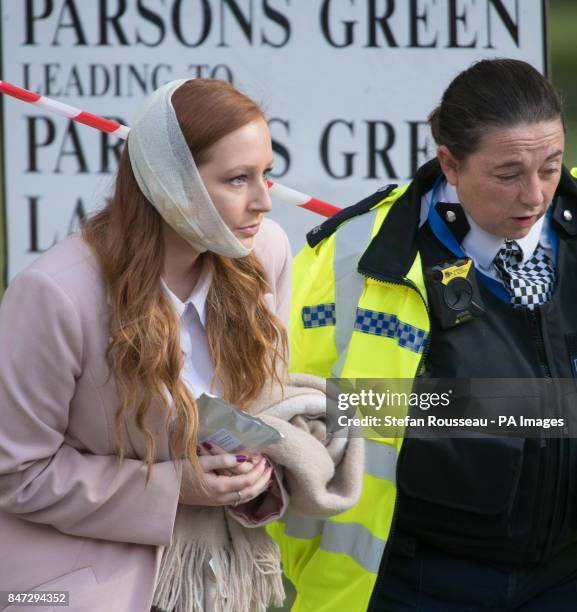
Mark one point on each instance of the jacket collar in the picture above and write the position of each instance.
(392, 251)
(564, 215)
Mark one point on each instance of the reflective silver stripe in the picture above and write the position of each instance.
(301, 527)
(381, 460)
(350, 539)
(350, 243)
(356, 541)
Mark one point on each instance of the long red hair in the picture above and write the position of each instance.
(247, 342)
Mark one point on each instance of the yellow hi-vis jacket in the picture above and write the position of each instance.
(347, 325)
(334, 563)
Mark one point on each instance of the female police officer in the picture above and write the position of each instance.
(456, 524)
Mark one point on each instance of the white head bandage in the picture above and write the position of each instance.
(169, 179)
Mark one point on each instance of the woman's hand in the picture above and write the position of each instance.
(245, 460)
(221, 489)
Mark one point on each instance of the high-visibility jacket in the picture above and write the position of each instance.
(359, 311)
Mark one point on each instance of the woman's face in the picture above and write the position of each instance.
(509, 182)
(235, 174)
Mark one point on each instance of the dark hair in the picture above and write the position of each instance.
(492, 93)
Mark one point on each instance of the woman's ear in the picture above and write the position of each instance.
(449, 165)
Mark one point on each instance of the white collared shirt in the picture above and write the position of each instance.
(198, 368)
(481, 246)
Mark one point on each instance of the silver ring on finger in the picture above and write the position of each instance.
(239, 496)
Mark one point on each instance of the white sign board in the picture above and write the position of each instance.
(347, 84)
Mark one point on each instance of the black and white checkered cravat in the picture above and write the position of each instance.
(528, 284)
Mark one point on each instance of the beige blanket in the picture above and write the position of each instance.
(215, 563)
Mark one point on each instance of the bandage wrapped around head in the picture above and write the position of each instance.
(169, 179)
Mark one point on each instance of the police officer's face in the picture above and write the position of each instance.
(508, 183)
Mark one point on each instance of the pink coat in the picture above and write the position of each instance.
(70, 517)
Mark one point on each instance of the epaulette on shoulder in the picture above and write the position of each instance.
(328, 227)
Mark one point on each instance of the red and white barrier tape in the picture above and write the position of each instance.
(285, 194)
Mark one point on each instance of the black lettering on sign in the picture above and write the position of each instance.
(511, 26)
(206, 71)
(78, 214)
(326, 147)
(71, 147)
(416, 19)
(244, 22)
(73, 84)
(31, 17)
(349, 26)
(411, 24)
(279, 149)
(40, 133)
(51, 76)
(198, 71)
(379, 150)
(223, 72)
(110, 150)
(59, 149)
(158, 80)
(34, 246)
(154, 18)
(204, 16)
(371, 148)
(26, 75)
(33, 238)
(99, 80)
(343, 23)
(69, 18)
(95, 80)
(111, 22)
(454, 19)
(281, 20)
(381, 20)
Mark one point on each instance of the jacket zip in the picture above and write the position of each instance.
(533, 318)
(403, 283)
(554, 446)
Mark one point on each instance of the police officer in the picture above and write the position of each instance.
(444, 523)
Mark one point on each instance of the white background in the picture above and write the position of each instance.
(303, 82)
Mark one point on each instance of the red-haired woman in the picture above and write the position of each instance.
(178, 286)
